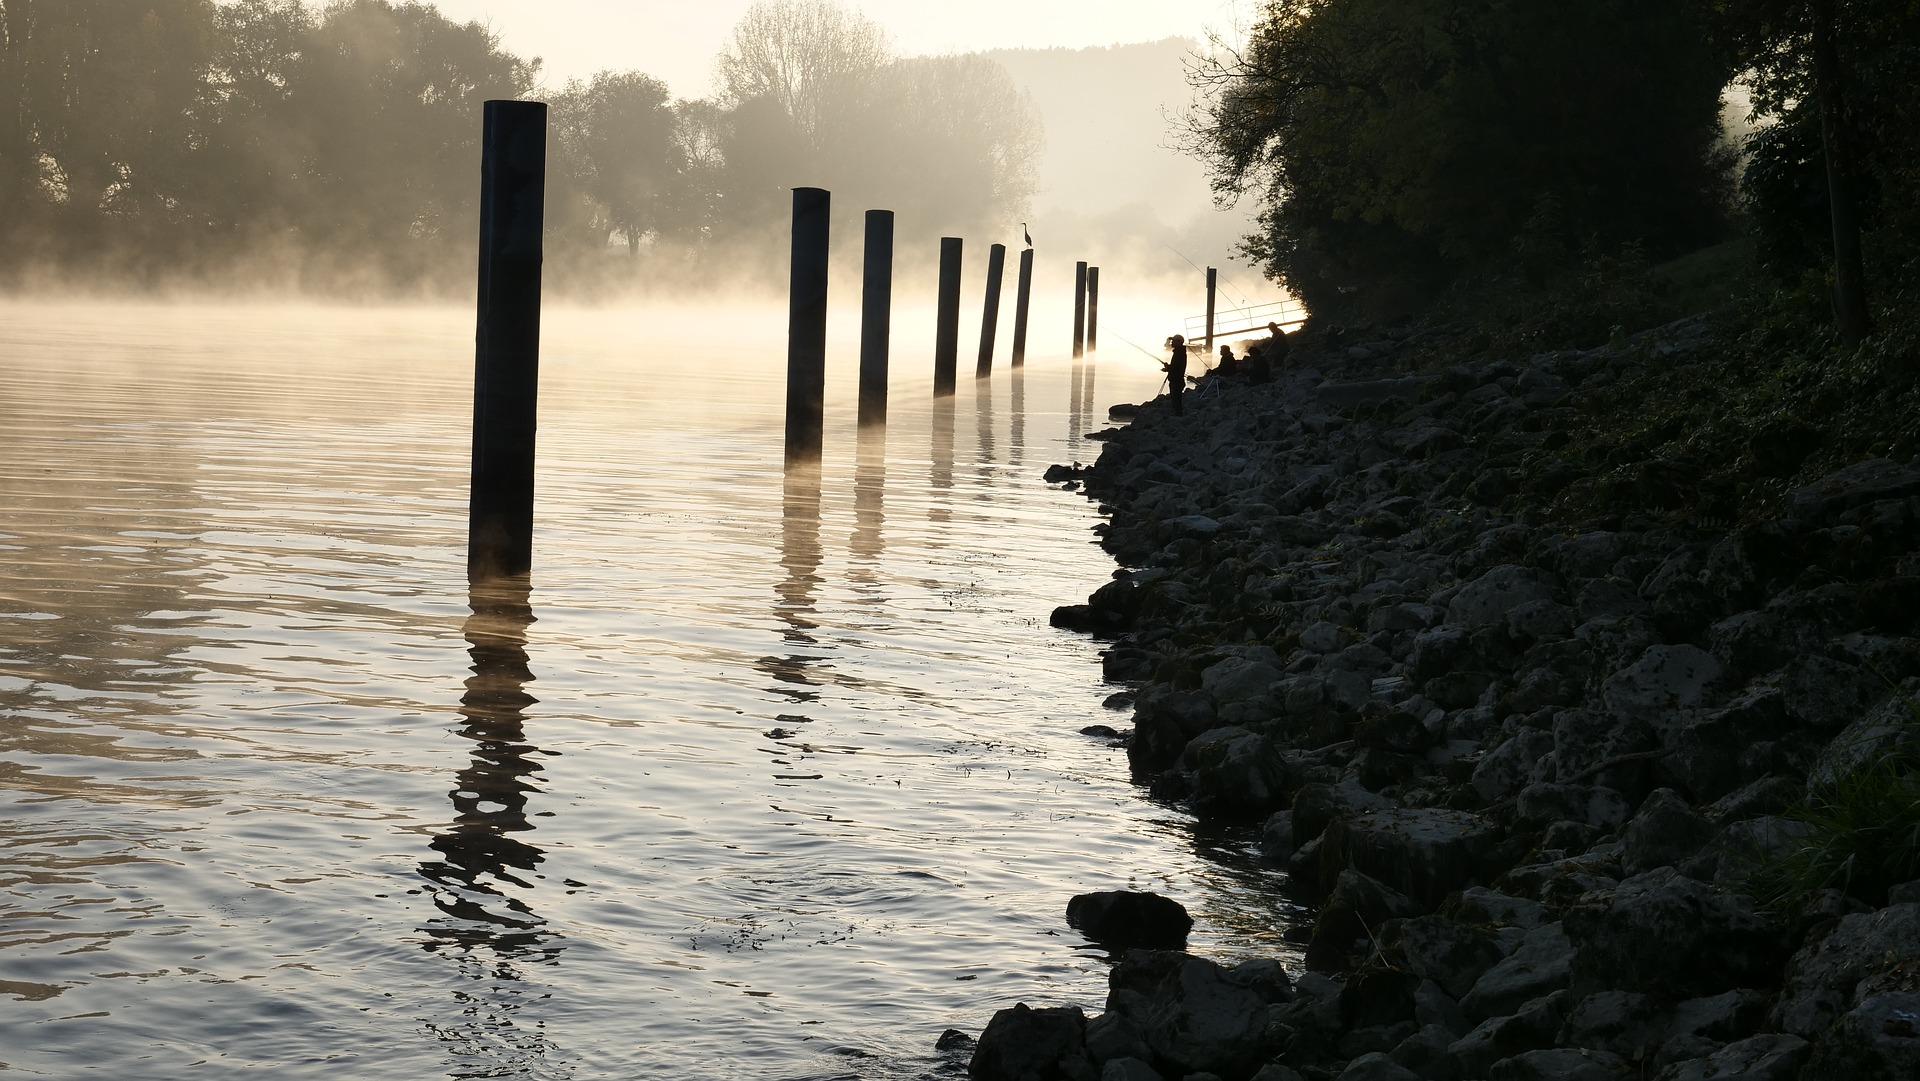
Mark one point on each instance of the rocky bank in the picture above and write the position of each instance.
(1527, 770)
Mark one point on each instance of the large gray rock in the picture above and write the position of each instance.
(1477, 904)
(1583, 740)
(1377, 1066)
(1828, 976)
(1316, 806)
(1129, 1069)
(1496, 1038)
(1542, 965)
(1623, 1023)
(1663, 833)
(1865, 741)
(1541, 805)
(1237, 775)
(1664, 679)
(1650, 932)
(1513, 765)
(1767, 1057)
(1023, 1044)
(1487, 600)
(1561, 1064)
(1425, 853)
(1237, 679)
(1355, 907)
(1164, 722)
(1856, 485)
(1451, 954)
(1111, 1036)
(1878, 1040)
(1191, 1012)
(1425, 1053)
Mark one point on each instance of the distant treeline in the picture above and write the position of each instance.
(328, 146)
(1408, 151)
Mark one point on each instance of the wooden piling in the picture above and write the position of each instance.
(1080, 308)
(876, 317)
(1213, 277)
(946, 342)
(506, 370)
(990, 309)
(807, 324)
(1093, 309)
(1021, 294)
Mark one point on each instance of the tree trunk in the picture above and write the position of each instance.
(1849, 274)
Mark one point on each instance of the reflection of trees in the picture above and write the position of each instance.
(483, 859)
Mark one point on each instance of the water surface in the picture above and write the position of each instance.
(759, 776)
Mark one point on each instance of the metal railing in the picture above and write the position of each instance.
(1287, 313)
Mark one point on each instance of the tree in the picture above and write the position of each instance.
(1841, 73)
(793, 53)
(621, 130)
(1400, 147)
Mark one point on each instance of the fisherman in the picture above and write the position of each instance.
(1259, 369)
(1176, 370)
(1279, 346)
(1229, 366)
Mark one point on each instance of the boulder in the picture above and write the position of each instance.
(1164, 721)
(1126, 919)
(1664, 679)
(1866, 740)
(1190, 1012)
(1540, 805)
(1315, 806)
(1425, 853)
(1237, 679)
(1562, 1064)
(1825, 978)
(1541, 965)
(1856, 485)
(1649, 934)
(1451, 954)
(1237, 775)
(1477, 904)
(1878, 1040)
(1377, 1066)
(1513, 765)
(1768, 1057)
(1496, 1038)
(1111, 1036)
(1487, 600)
(1128, 1069)
(1356, 906)
(1425, 1053)
(1023, 1044)
(1624, 1023)
(1663, 833)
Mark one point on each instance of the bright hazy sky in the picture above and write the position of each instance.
(676, 40)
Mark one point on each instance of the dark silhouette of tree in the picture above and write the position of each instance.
(1402, 146)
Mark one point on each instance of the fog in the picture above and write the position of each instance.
(281, 149)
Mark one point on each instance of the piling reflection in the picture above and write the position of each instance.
(800, 552)
(983, 428)
(869, 504)
(485, 866)
(940, 457)
(1076, 410)
(1017, 425)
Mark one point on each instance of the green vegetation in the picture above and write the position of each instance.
(321, 146)
(1859, 834)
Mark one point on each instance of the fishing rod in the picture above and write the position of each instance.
(1244, 299)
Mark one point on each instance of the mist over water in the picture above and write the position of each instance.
(759, 776)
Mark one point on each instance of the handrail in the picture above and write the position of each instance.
(1287, 313)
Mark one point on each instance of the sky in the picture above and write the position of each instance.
(676, 40)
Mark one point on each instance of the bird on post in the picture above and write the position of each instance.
(1024, 235)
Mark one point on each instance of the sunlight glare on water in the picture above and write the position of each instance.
(764, 776)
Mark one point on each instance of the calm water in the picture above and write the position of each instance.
(761, 778)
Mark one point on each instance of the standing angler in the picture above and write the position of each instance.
(1176, 370)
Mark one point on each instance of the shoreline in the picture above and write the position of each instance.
(1530, 773)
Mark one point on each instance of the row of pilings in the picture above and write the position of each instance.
(507, 336)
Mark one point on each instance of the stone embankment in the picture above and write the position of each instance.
(1524, 771)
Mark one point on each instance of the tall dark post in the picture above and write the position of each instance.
(946, 339)
(990, 309)
(876, 317)
(807, 325)
(506, 357)
(1079, 308)
(1021, 293)
(1213, 277)
(1093, 309)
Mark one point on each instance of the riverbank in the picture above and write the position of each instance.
(1568, 741)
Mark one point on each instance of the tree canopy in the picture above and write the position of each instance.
(1403, 147)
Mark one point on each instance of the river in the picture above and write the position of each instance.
(763, 777)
